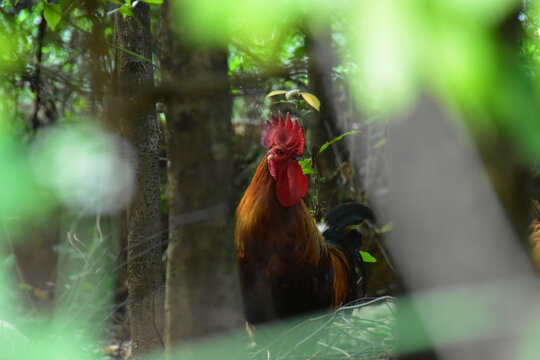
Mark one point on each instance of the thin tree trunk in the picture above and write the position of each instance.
(145, 270)
(323, 125)
(202, 289)
(36, 78)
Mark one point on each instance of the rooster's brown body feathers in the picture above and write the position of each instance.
(285, 264)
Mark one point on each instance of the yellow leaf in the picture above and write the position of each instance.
(40, 294)
(312, 100)
(276, 92)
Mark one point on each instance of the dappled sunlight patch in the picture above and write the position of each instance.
(87, 168)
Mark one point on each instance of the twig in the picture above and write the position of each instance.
(158, 333)
(267, 347)
(310, 336)
(36, 78)
(357, 304)
(378, 240)
(338, 350)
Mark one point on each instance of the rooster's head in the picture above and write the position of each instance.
(285, 139)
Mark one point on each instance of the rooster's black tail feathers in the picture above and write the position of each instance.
(337, 232)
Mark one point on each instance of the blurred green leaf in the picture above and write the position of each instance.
(483, 12)
(219, 21)
(235, 63)
(52, 14)
(21, 196)
(11, 337)
(389, 63)
(380, 143)
(386, 228)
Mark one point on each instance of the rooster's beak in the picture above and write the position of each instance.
(298, 157)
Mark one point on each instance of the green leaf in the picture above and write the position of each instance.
(157, 2)
(108, 31)
(276, 92)
(306, 166)
(312, 100)
(325, 145)
(379, 143)
(235, 62)
(125, 10)
(367, 257)
(52, 14)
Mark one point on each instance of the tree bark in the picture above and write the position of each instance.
(145, 270)
(323, 124)
(202, 287)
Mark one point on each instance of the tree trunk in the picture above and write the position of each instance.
(322, 124)
(202, 288)
(145, 270)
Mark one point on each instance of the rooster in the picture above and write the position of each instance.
(288, 264)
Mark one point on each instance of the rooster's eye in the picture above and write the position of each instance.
(279, 152)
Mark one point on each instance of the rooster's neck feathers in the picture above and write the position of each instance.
(260, 217)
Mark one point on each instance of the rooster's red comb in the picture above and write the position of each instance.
(285, 133)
